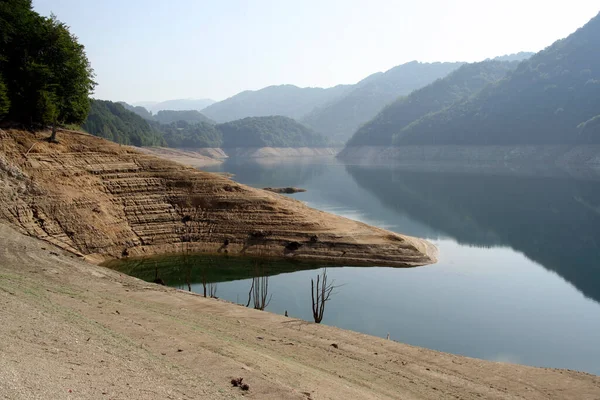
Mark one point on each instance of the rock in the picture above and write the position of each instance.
(293, 246)
(286, 190)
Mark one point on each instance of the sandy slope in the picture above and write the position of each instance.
(73, 330)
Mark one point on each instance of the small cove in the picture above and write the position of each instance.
(517, 279)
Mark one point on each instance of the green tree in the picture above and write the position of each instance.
(46, 70)
(4, 101)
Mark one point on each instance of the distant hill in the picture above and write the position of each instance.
(190, 116)
(520, 56)
(460, 84)
(341, 118)
(551, 98)
(182, 134)
(177, 104)
(139, 110)
(114, 122)
(286, 100)
(273, 131)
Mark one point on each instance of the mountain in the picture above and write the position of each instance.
(273, 131)
(139, 110)
(520, 56)
(177, 104)
(286, 100)
(340, 119)
(460, 84)
(551, 98)
(114, 122)
(190, 116)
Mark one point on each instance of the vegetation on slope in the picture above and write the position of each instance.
(113, 122)
(4, 100)
(274, 131)
(341, 118)
(182, 134)
(46, 73)
(552, 98)
(460, 84)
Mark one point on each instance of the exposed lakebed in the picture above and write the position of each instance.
(518, 277)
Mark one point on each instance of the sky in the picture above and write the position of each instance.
(156, 50)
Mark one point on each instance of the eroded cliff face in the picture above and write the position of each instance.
(101, 200)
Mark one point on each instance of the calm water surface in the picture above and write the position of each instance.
(518, 277)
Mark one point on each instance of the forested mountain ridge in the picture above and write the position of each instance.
(286, 100)
(460, 84)
(114, 122)
(272, 131)
(551, 98)
(341, 118)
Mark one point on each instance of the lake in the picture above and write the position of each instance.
(518, 277)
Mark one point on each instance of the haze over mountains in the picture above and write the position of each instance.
(552, 97)
(287, 100)
(460, 84)
(340, 119)
(177, 104)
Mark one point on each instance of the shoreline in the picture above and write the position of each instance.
(71, 325)
(560, 155)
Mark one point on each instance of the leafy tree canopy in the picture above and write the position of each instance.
(47, 74)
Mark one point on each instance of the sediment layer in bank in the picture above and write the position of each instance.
(102, 200)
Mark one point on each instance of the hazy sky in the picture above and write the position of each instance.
(167, 49)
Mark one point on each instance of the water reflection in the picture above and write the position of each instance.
(554, 221)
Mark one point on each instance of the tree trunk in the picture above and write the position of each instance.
(53, 135)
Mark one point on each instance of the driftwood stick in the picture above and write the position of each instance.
(30, 149)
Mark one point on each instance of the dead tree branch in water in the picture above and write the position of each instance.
(320, 295)
(259, 290)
